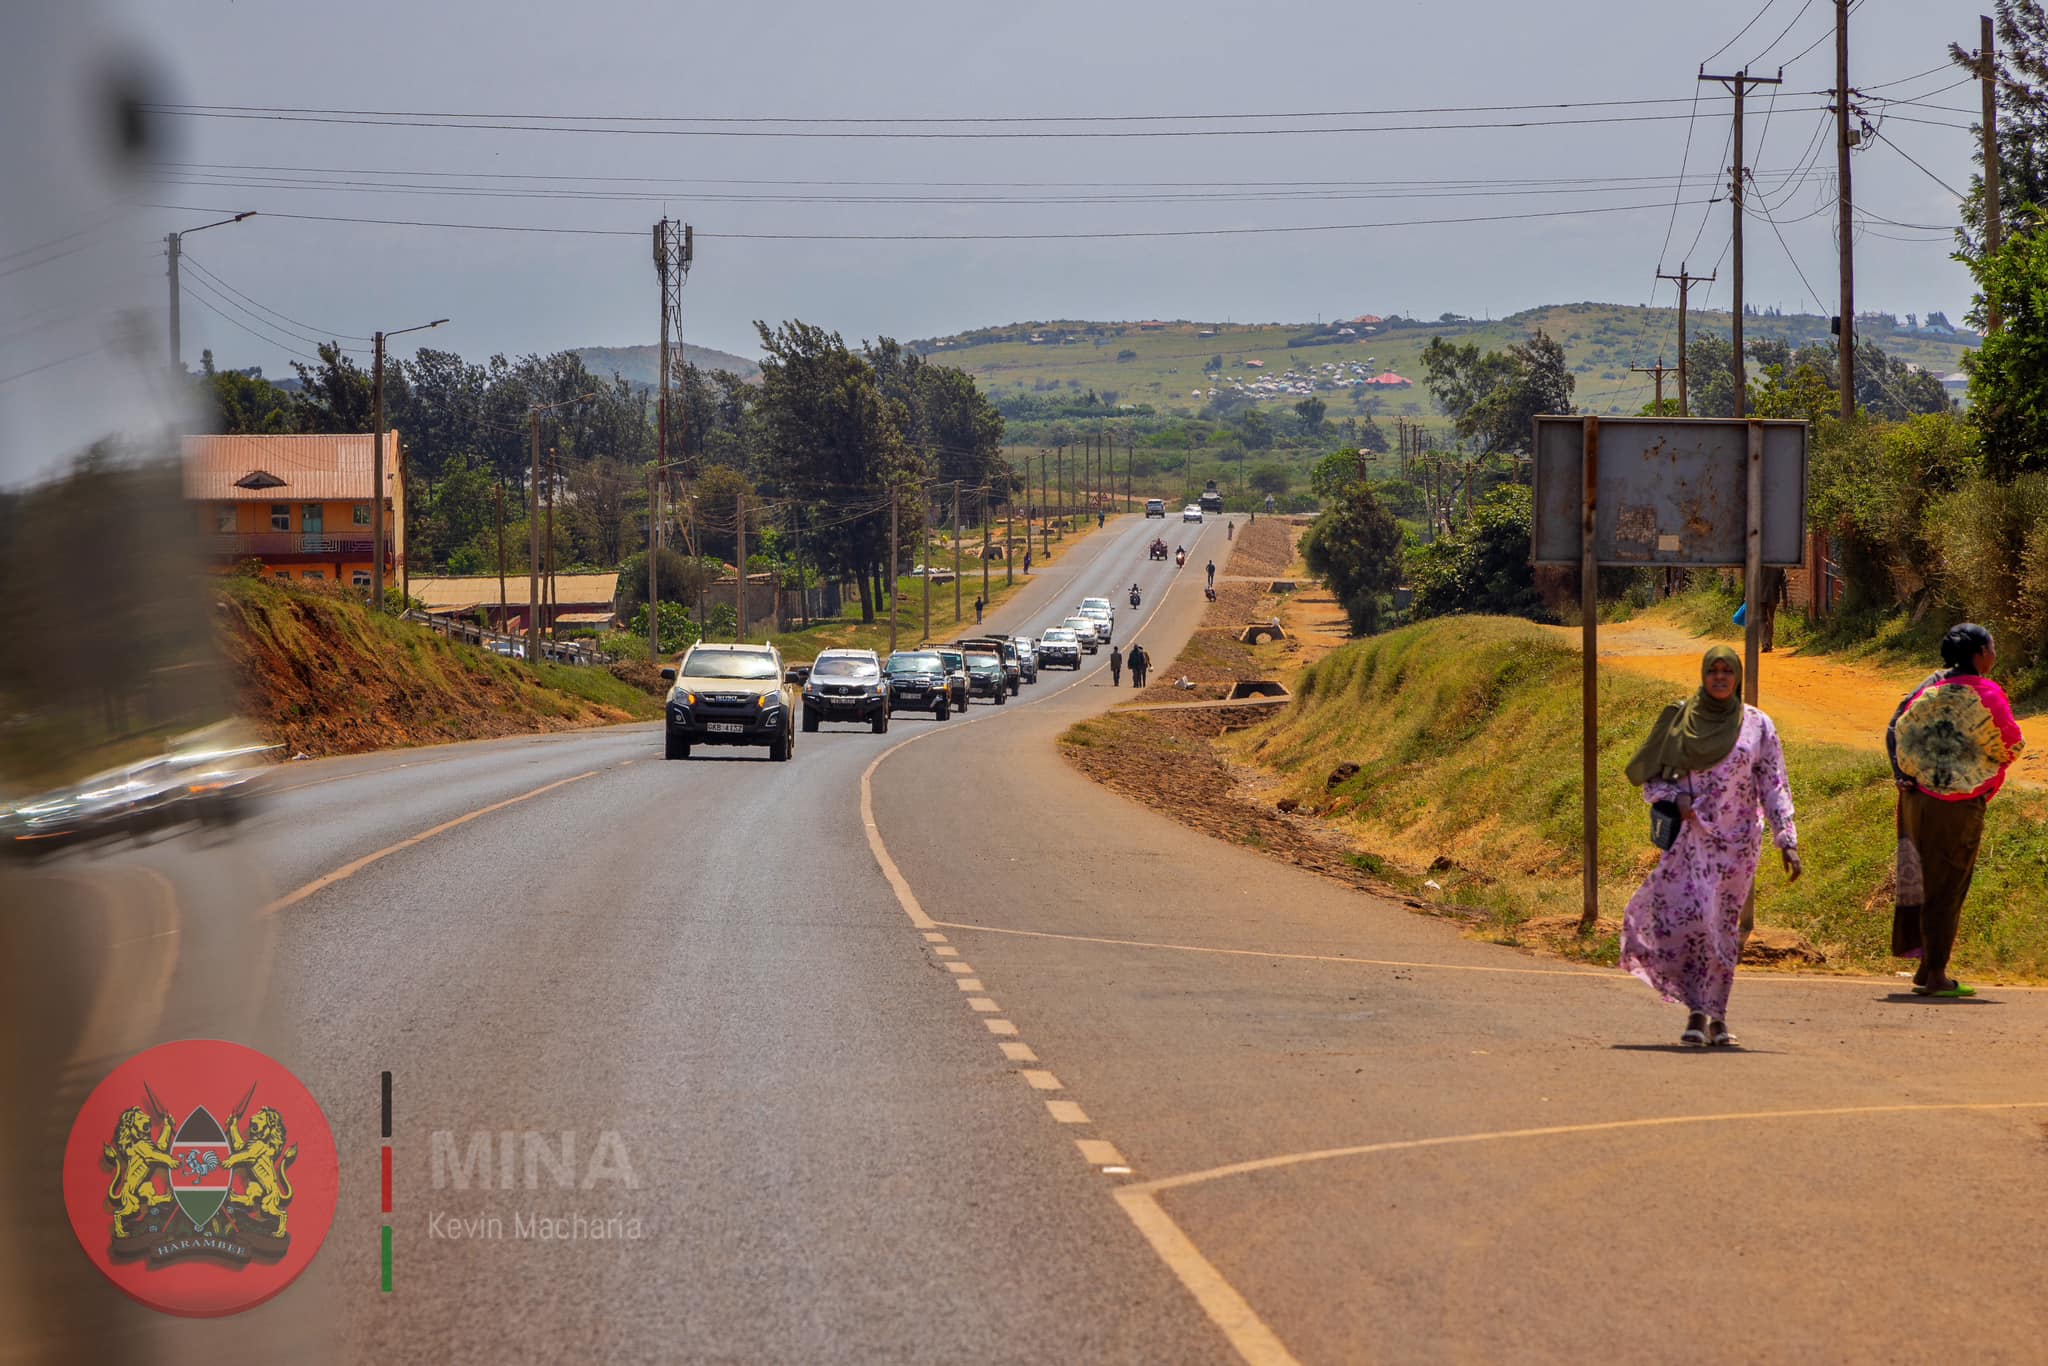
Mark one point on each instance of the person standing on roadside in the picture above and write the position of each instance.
(1116, 666)
(1717, 764)
(1944, 787)
(1027, 562)
(977, 611)
(1140, 662)
(1230, 531)
(1212, 573)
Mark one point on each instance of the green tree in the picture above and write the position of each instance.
(242, 402)
(1484, 565)
(1493, 397)
(1355, 547)
(2009, 372)
(335, 394)
(1336, 472)
(2021, 92)
(1270, 478)
(1311, 412)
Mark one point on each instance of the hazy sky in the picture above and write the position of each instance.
(517, 292)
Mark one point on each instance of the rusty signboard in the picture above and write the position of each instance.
(1669, 491)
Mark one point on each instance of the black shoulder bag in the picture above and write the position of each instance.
(1666, 819)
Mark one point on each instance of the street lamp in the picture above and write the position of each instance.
(174, 244)
(377, 461)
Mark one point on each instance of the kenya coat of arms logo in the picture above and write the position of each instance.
(190, 1214)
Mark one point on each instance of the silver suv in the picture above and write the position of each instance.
(847, 685)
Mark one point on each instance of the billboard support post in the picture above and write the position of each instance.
(1753, 564)
(1589, 670)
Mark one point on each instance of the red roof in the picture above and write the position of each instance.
(267, 469)
(1391, 380)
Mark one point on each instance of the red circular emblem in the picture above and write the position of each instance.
(201, 1177)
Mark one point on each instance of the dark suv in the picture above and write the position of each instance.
(917, 682)
(1027, 656)
(847, 685)
(1013, 668)
(985, 676)
(955, 661)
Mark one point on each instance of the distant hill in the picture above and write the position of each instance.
(1167, 364)
(642, 364)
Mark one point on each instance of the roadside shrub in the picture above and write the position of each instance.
(1872, 484)
(1990, 543)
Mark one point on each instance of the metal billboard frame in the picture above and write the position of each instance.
(1676, 518)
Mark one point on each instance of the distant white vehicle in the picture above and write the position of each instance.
(1191, 513)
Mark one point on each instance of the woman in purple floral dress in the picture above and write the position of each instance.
(1720, 762)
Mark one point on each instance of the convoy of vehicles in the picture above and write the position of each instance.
(744, 694)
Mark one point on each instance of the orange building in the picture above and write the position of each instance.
(299, 504)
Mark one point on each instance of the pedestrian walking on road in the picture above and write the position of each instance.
(1212, 573)
(1140, 663)
(1942, 796)
(1027, 562)
(1116, 667)
(1230, 531)
(1710, 765)
(977, 611)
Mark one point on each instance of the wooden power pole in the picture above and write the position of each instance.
(1685, 280)
(1845, 339)
(1994, 225)
(1659, 370)
(1739, 85)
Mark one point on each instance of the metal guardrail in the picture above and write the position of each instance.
(510, 645)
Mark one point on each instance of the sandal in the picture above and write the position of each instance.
(1695, 1035)
(1952, 991)
(1718, 1035)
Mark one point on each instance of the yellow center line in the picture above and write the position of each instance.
(354, 866)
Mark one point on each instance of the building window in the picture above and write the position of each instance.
(318, 575)
(224, 518)
(280, 516)
(359, 578)
(362, 513)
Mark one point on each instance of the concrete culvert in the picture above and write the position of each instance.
(1256, 687)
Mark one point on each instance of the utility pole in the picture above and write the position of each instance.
(892, 569)
(1845, 339)
(377, 460)
(984, 542)
(739, 517)
(1685, 280)
(653, 564)
(1739, 85)
(174, 250)
(499, 488)
(1660, 369)
(956, 552)
(924, 536)
(1994, 225)
(1010, 542)
(533, 543)
(549, 599)
(1130, 460)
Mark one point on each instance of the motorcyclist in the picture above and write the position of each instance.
(1180, 557)
(1134, 595)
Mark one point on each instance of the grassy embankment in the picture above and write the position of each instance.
(319, 673)
(1466, 731)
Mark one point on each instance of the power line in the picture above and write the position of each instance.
(1878, 133)
(868, 119)
(1758, 60)
(286, 347)
(920, 134)
(1739, 32)
(194, 263)
(969, 236)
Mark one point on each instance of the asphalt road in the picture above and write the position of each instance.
(1021, 1072)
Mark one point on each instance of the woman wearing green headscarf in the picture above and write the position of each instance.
(1720, 764)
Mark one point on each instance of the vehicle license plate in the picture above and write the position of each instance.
(724, 728)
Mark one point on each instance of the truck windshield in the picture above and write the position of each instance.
(725, 664)
(841, 668)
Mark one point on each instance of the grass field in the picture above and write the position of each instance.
(1601, 341)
